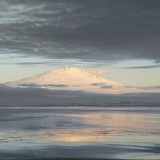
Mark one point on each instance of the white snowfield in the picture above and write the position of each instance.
(71, 78)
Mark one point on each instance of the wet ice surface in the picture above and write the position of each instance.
(79, 132)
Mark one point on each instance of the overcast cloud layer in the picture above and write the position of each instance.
(87, 30)
(38, 96)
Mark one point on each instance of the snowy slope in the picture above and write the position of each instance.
(67, 76)
(71, 78)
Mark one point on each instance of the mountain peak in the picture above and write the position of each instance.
(74, 69)
(70, 69)
(70, 78)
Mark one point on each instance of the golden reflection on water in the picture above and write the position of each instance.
(100, 127)
(116, 120)
(74, 135)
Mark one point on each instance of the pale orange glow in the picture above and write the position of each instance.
(118, 120)
(74, 135)
(102, 126)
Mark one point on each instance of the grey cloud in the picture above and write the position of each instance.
(36, 96)
(55, 85)
(97, 84)
(102, 85)
(39, 96)
(29, 63)
(44, 85)
(89, 30)
(57, 63)
(143, 67)
(152, 87)
(29, 85)
(145, 87)
(36, 63)
(107, 87)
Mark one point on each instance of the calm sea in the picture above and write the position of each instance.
(33, 133)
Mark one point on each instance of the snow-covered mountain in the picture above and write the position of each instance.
(68, 78)
(71, 78)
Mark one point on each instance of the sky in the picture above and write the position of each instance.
(119, 37)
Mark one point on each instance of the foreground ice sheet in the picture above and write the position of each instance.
(80, 132)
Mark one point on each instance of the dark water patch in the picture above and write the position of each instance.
(81, 152)
(79, 133)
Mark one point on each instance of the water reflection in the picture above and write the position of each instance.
(73, 135)
(101, 126)
(101, 132)
(118, 121)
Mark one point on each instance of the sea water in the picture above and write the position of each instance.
(80, 132)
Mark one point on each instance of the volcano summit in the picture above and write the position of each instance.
(72, 78)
